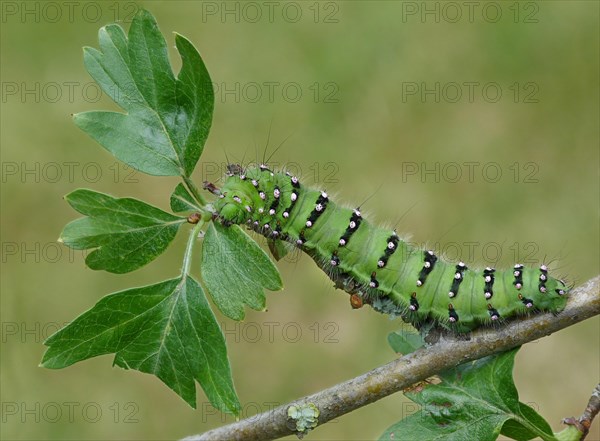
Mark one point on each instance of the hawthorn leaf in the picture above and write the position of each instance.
(404, 342)
(126, 233)
(167, 119)
(166, 329)
(235, 270)
(182, 200)
(476, 400)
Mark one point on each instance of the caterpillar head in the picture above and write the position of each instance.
(234, 205)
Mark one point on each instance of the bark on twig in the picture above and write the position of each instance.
(584, 302)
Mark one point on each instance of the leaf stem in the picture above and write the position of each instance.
(187, 258)
(194, 190)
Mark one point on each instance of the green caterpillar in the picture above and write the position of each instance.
(373, 264)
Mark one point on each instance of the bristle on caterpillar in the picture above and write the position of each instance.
(374, 265)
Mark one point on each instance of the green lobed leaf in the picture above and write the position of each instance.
(404, 342)
(235, 270)
(127, 233)
(168, 119)
(474, 401)
(166, 329)
(182, 200)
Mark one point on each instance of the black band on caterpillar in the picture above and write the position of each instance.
(318, 210)
(414, 304)
(429, 262)
(392, 245)
(488, 278)
(543, 277)
(518, 273)
(494, 315)
(452, 315)
(376, 267)
(458, 278)
(353, 225)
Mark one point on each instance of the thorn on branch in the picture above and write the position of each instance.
(584, 422)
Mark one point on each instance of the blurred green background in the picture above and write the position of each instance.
(394, 100)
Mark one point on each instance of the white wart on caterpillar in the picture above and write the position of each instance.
(374, 265)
